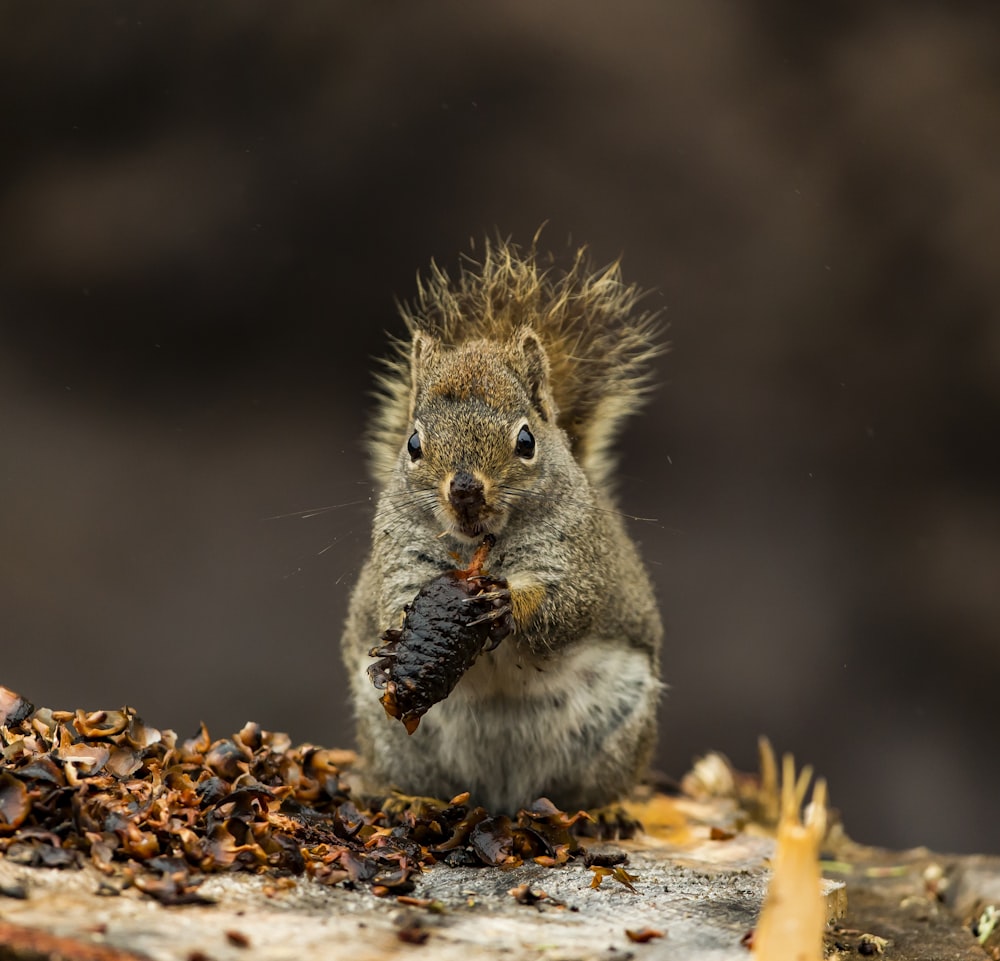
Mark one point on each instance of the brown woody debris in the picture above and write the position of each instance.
(619, 874)
(21, 942)
(157, 812)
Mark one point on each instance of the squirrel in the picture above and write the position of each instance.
(496, 416)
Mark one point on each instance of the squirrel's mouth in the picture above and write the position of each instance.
(472, 525)
(474, 528)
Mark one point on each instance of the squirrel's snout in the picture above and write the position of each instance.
(465, 493)
(470, 511)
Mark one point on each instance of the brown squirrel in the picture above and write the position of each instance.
(496, 417)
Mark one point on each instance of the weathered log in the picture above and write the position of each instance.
(690, 885)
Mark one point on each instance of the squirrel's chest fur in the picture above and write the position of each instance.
(517, 727)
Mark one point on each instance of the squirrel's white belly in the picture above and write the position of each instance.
(516, 728)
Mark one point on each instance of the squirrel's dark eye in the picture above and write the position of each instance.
(413, 447)
(525, 446)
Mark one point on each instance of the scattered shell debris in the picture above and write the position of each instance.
(158, 812)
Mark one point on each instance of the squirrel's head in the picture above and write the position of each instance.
(482, 427)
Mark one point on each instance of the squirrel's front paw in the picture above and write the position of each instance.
(492, 607)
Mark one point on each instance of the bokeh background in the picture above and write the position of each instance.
(208, 210)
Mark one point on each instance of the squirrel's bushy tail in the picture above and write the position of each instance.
(599, 343)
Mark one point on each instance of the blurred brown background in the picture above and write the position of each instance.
(207, 211)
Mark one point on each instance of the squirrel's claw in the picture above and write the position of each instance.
(493, 615)
(499, 594)
(379, 673)
(497, 609)
(503, 624)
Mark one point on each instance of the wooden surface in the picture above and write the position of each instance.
(703, 899)
(703, 895)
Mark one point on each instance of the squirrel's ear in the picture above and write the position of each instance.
(535, 369)
(424, 347)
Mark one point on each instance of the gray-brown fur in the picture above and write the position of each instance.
(565, 706)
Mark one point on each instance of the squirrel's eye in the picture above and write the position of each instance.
(525, 446)
(413, 447)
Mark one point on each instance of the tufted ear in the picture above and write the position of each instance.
(534, 367)
(424, 348)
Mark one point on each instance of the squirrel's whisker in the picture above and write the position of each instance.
(316, 511)
(589, 506)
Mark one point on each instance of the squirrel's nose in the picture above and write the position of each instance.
(465, 492)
